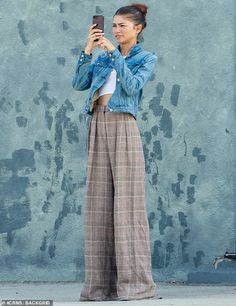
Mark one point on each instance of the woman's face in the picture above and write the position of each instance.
(124, 30)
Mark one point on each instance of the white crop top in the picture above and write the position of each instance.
(110, 84)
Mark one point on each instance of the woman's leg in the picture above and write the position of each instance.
(131, 227)
(100, 265)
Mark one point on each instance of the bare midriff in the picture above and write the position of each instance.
(103, 100)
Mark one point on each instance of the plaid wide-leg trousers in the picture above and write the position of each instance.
(116, 230)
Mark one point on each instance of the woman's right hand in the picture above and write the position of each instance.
(93, 34)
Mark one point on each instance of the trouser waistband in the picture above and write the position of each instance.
(101, 108)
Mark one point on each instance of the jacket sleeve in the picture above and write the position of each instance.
(130, 82)
(83, 73)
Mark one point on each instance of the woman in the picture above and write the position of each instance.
(117, 245)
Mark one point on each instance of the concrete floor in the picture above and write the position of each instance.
(67, 294)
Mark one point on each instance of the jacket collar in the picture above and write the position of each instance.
(135, 49)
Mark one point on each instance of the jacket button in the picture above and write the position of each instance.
(110, 109)
(118, 79)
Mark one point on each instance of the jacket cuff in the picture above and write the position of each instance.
(84, 58)
(114, 54)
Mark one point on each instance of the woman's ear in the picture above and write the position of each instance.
(138, 28)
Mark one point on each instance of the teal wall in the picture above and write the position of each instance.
(186, 119)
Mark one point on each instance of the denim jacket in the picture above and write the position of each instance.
(132, 73)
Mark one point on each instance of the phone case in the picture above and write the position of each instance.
(99, 20)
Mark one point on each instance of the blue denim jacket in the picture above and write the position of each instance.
(132, 73)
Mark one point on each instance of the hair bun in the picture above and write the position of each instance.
(141, 7)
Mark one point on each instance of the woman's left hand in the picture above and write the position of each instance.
(106, 44)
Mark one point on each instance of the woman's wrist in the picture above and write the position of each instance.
(111, 50)
(88, 51)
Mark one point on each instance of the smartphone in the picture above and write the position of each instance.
(99, 20)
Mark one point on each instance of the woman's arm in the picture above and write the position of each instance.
(83, 72)
(130, 82)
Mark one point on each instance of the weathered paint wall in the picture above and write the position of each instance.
(186, 120)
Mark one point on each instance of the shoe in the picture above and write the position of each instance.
(155, 297)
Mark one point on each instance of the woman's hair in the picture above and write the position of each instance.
(136, 12)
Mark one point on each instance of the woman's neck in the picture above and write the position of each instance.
(125, 48)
